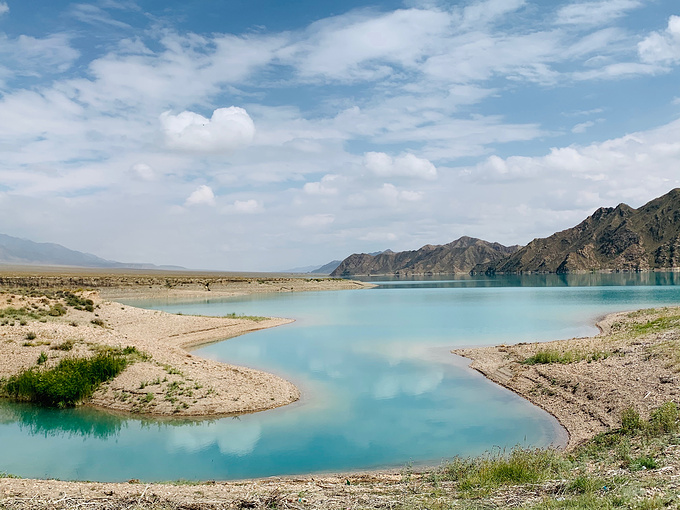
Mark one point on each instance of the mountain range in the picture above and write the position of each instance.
(611, 239)
(16, 251)
(459, 256)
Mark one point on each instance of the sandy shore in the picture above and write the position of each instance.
(172, 382)
(626, 365)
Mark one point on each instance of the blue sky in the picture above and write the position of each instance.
(262, 135)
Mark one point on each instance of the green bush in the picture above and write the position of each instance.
(664, 420)
(71, 381)
(57, 310)
(630, 421)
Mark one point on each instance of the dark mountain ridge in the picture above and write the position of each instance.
(611, 239)
(459, 256)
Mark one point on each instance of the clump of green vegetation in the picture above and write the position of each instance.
(57, 310)
(77, 302)
(255, 318)
(42, 358)
(492, 471)
(657, 325)
(66, 345)
(67, 384)
(548, 356)
(30, 335)
(98, 322)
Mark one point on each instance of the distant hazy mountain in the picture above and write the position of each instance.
(612, 238)
(327, 268)
(14, 250)
(459, 256)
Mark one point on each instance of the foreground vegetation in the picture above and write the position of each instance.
(70, 382)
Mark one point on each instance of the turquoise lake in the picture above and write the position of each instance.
(380, 388)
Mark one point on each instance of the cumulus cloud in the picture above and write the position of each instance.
(203, 195)
(228, 129)
(4, 8)
(406, 165)
(662, 47)
(247, 206)
(323, 187)
(391, 192)
(616, 164)
(316, 220)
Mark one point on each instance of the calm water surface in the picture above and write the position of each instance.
(380, 388)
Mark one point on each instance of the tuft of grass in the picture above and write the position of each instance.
(57, 310)
(98, 322)
(663, 420)
(42, 358)
(66, 345)
(30, 335)
(495, 470)
(255, 318)
(67, 384)
(548, 356)
(631, 421)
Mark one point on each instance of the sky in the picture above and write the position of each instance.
(261, 135)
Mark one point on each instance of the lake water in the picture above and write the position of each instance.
(380, 388)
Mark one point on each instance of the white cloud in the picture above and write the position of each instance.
(203, 195)
(364, 46)
(228, 129)
(406, 165)
(662, 47)
(582, 127)
(247, 206)
(595, 13)
(614, 168)
(4, 8)
(316, 220)
(323, 187)
(391, 192)
(143, 171)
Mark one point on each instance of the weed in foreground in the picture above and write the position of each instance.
(65, 385)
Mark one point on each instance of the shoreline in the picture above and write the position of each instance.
(571, 392)
(588, 394)
(173, 381)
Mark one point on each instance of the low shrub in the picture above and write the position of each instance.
(521, 466)
(71, 381)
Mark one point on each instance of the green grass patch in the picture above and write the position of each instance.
(548, 356)
(657, 325)
(255, 318)
(495, 470)
(67, 384)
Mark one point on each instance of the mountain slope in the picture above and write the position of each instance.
(14, 250)
(612, 238)
(459, 256)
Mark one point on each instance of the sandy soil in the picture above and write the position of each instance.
(588, 396)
